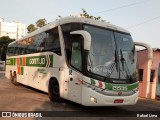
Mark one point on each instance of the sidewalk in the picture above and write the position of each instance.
(152, 102)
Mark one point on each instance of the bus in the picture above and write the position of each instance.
(90, 62)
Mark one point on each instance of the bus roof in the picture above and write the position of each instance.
(74, 19)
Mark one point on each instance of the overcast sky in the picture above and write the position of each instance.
(140, 17)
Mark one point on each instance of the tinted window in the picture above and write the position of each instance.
(45, 41)
(101, 55)
(66, 29)
(76, 55)
(52, 42)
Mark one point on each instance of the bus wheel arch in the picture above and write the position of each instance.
(14, 78)
(54, 90)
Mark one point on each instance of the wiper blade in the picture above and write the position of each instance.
(122, 59)
(116, 60)
(124, 65)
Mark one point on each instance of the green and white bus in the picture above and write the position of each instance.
(86, 61)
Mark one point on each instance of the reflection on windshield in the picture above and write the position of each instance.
(127, 55)
(104, 55)
(101, 55)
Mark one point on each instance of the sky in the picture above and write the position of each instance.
(140, 17)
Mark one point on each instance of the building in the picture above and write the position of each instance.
(149, 74)
(14, 30)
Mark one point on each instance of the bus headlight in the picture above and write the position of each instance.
(93, 99)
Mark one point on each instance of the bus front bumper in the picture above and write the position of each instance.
(93, 98)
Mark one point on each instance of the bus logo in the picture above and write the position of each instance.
(119, 88)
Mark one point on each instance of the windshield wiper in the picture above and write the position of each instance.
(90, 62)
(122, 59)
(116, 60)
(124, 65)
(112, 66)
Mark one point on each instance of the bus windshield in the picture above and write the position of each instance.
(112, 54)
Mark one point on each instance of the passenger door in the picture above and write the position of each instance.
(75, 75)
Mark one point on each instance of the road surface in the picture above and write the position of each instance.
(21, 99)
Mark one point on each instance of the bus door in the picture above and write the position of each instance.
(74, 84)
(158, 85)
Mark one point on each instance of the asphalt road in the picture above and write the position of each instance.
(25, 99)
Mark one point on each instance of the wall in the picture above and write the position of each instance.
(146, 84)
(153, 85)
(9, 29)
(14, 30)
(143, 64)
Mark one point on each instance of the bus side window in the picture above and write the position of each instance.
(76, 56)
(53, 41)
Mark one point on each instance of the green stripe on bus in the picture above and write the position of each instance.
(108, 86)
(128, 87)
(93, 81)
(20, 61)
(51, 60)
(116, 87)
(11, 61)
(39, 61)
(35, 61)
(22, 70)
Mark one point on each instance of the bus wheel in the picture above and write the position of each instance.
(14, 79)
(53, 91)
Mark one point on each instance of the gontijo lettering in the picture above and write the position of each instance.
(40, 61)
(37, 61)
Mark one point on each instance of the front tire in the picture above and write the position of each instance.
(54, 91)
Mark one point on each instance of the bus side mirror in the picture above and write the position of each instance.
(87, 38)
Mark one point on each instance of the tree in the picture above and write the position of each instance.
(4, 41)
(41, 22)
(31, 28)
(86, 15)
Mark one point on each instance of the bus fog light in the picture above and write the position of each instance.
(93, 99)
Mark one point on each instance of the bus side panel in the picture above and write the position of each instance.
(39, 76)
(10, 67)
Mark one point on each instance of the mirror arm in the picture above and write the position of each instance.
(87, 38)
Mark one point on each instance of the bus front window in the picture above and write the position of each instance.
(101, 58)
(127, 55)
(112, 55)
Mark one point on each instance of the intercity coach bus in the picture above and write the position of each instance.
(90, 62)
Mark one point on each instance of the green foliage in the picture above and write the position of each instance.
(4, 41)
(31, 28)
(40, 23)
(86, 15)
